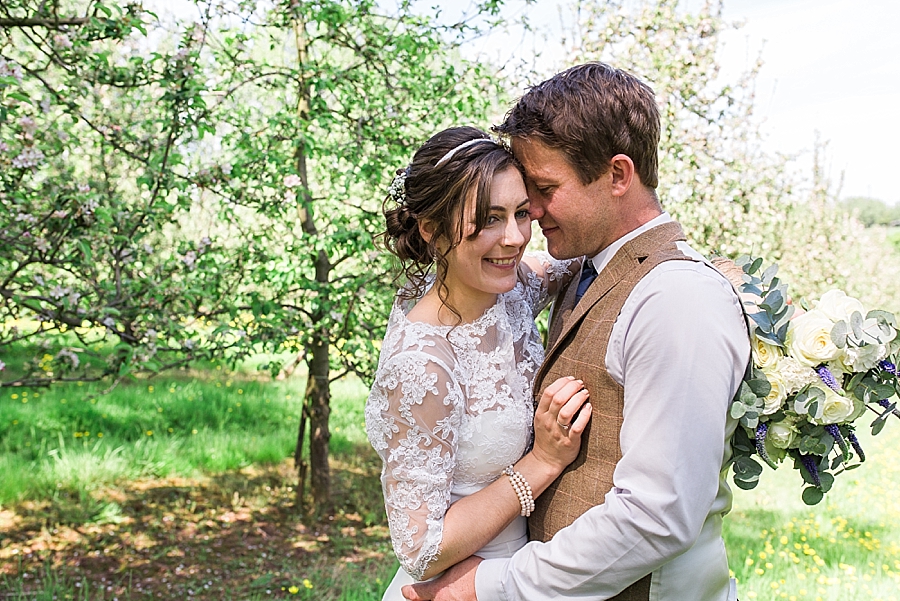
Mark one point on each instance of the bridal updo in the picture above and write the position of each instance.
(452, 169)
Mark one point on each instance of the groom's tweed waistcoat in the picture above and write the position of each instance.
(578, 339)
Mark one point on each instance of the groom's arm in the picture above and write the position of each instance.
(681, 357)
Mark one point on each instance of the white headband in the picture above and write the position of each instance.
(450, 154)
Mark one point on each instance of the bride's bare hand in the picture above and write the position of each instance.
(562, 415)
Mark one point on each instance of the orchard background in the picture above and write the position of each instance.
(191, 299)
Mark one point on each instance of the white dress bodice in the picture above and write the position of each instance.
(451, 407)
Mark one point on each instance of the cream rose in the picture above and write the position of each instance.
(777, 395)
(837, 306)
(764, 354)
(783, 434)
(809, 339)
(835, 408)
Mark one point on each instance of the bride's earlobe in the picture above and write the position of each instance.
(426, 230)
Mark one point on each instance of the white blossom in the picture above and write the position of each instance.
(189, 259)
(68, 354)
(30, 157)
(28, 124)
(292, 181)
(59, 291)
(61, 40)
(26, 217)
(10, 69)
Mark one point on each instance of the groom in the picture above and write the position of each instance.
(660, 341)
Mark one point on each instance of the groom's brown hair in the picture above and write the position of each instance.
(591, 113)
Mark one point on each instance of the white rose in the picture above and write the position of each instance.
(837, 306)
(783, 434)
(835, 408)
(863, 358)
(809, 338)
(777, 395)
(764, 354)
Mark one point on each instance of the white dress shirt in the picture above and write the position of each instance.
(679, 348)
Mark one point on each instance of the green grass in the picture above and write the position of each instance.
(847, 548)
(70, 440)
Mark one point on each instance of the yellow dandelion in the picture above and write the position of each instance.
(99, 434)
(13, 396)
(194, 431)
(293, 590)
(149, 432)
(307, 583)
(150, 389)
(240, 391)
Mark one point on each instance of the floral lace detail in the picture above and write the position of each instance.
(451, 407)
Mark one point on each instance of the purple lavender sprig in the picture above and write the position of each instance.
(851, 436)
(889, 367)
(886, 403)
(836, 435)
(828, 378)
(809, 462)
(761, 430)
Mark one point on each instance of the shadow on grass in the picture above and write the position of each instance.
(234, 535)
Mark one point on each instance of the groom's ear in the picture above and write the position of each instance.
(621, 173)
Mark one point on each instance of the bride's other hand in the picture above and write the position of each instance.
(562, 415)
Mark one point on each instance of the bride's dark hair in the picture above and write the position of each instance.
(437, 194)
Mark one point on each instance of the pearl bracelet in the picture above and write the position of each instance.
(522, 489)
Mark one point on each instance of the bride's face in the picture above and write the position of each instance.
(480, 268)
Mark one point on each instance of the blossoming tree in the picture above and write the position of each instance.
(214, 191)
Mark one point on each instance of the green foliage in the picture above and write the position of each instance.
(871, 211)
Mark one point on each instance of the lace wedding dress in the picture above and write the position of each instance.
(450, 408)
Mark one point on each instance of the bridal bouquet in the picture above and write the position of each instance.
(814, 373)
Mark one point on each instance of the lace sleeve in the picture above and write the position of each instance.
(544, 276)
(412, 417)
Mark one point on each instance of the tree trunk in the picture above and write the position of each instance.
(316, 401)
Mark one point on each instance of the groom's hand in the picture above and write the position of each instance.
(456, 584)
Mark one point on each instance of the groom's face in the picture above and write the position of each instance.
(574, 217)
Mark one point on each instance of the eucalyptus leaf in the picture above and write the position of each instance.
(856, 322)
(761, 388)
(839, 334)
(812, 495)
(754, 267)
(885, 317)
(769, 273)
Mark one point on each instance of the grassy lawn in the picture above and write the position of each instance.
(179, 487)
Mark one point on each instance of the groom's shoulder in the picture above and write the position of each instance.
(695, 280)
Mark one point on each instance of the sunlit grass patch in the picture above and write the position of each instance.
(847, 548)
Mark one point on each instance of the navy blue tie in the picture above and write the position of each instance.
(588, 274)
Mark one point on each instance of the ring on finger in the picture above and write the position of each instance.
(563, 426)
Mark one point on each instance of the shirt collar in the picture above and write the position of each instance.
(602, 259)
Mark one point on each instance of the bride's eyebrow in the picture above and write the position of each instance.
(503, 209)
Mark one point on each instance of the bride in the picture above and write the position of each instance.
(451, 411)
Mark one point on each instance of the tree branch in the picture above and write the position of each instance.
(47, 22)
